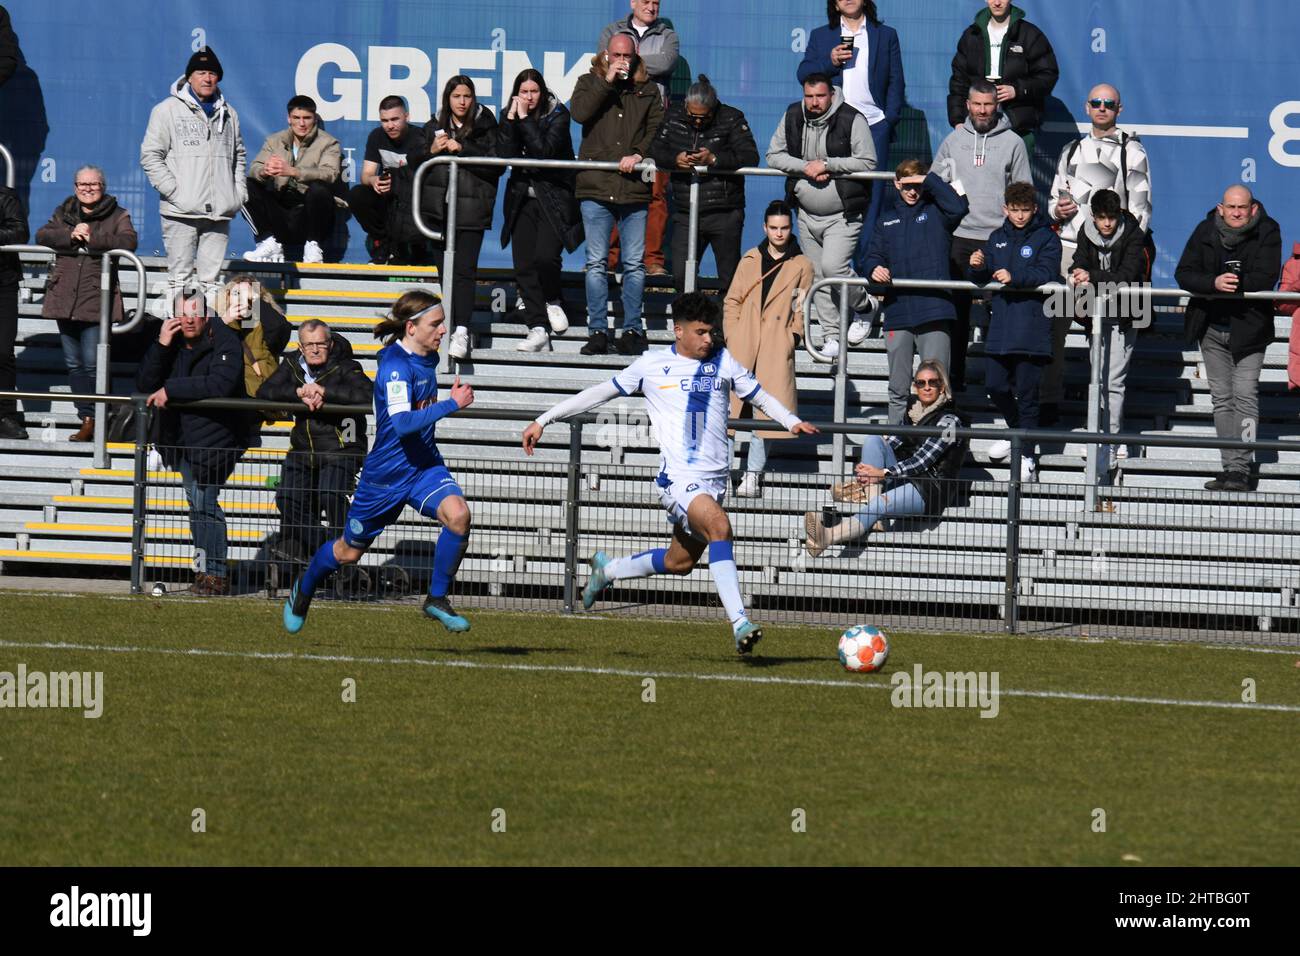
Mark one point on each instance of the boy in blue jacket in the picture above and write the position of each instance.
(1022, 254)
(912, 241)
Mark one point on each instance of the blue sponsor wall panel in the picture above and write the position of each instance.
(1210, 87)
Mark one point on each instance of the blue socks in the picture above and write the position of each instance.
(447, 555)
(637, 566)
(322, 563)
(722, 565)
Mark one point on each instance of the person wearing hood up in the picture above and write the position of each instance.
(1022, 255)
(1236, 248)
(193, 154)
(979, 159)
(819, 140)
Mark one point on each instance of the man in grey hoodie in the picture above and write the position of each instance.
(819, 138)
(193, 155)
(979, 159)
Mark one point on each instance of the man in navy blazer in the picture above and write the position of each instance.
(870, 71)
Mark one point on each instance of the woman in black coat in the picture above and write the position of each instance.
(463, 127)
(541, 212)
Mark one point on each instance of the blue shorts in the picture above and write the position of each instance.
(375, 508)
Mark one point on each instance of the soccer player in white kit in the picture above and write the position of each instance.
(687, 391)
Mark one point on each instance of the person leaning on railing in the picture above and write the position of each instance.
(897, 476)
(194, 358)
(82, 228)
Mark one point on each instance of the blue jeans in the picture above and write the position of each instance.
(898, 501)
(207, 522)
(80, 339)
(880, 135)
(598, 220)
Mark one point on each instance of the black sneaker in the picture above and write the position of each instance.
(1236, 481)
(631, 342)
(12, 426)
(1049, 415)
(597, 344)
(379, 251)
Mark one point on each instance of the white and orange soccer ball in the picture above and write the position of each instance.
(864, 648)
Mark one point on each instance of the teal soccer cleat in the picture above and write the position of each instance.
(747, 635)
(440, 609)
(295, 610)
(597, 582)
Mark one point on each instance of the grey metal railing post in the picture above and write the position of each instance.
(572, 505)
(1010, 598)
(10, 175)
(446, 278)
(841, 384)
(693, 233)
(139, 493)
(103, 350)
(1095, 332)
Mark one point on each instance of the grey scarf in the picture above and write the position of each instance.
(1232, 238)
(1105, 247)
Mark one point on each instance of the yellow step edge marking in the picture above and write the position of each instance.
(293, 347)
(402, 271)
(125, 529)
(176, 503)
(336, 320)
(291, 294)
(172, 475)
(68, 555)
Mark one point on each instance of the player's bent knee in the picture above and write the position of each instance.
(678, 565)
(345, 553)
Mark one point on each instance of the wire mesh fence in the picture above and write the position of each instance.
(978, 552)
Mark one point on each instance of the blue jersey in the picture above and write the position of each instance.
(406, 413)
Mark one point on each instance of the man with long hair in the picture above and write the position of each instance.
(404, 465)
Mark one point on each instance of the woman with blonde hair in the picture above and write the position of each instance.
(902, 476)
(252, 313)
(763, 324)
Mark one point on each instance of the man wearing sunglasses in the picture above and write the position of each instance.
(1107, 158)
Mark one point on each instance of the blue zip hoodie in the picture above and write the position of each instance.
(913, 242)
(1020, 324)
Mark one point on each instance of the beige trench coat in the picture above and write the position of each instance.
(762, 339)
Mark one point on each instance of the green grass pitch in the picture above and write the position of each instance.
(529, 741)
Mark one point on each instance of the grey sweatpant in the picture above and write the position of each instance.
(831, 242)
(195, 250)
(1234, 390)
(933, 340)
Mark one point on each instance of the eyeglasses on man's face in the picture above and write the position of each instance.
(315, 346)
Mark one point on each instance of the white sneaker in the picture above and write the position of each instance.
(555, 314)
(537, 340)
(1028, 470)
(1000, 449)
(750, 486)
(268, 250)
(312, 252)
(154, 461)
(458, 348)
(519, 304)
(831, 348)
(858, 332)
(1121, 451)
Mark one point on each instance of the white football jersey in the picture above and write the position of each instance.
(689, 402)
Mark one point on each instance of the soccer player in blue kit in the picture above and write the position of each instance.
(687, 391)
(404, 465)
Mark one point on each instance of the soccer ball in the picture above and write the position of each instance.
(864, 648)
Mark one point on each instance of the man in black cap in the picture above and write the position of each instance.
(194, 156)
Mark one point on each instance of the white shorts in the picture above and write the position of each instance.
(676, 497)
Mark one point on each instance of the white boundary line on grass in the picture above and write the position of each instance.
(618, 672)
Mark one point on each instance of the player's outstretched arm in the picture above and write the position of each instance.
(584, 401)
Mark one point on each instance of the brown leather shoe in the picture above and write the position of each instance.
(86, 432)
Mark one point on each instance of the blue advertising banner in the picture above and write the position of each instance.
(1209, 86)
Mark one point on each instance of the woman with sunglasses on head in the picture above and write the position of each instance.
(897, 476)
(464, 127)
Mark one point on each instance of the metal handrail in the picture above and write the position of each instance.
(647, 168)
(955, 285)
(9, 165)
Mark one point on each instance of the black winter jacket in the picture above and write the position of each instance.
(1250, 322)
(1028, 64)
(476, 197)
(345, 383)
(13, 231)
(211, 440)
(728, 137)
(541, 137)
(1128, 262)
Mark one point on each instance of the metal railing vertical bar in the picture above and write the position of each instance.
(139, 493)
(103, 351)
(10, 172)
(1011, 593)
(573, 506)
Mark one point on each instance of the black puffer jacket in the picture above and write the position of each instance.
(1249, 321)
(345, 383)
(212, 440)
(728, 137)
(541, 137)
(13, 231)
(1028, 64)
(476, 194)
